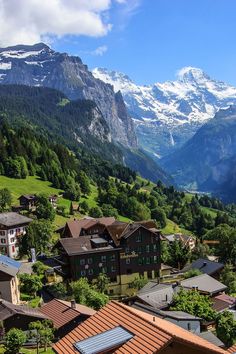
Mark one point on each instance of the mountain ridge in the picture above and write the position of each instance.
(39, 65)
(167, 114)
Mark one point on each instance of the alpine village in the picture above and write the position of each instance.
(117, 199)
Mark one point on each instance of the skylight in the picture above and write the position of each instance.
(99, 343)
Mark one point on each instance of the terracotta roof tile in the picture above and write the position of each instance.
(232, 349)
(150, 336)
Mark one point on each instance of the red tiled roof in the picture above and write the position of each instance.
(151, 334)
(232, 349)
(60, 312)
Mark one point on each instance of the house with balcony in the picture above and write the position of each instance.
(123, 251)
(12, 228)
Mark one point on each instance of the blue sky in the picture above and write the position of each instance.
(161, 36)
(147, 39)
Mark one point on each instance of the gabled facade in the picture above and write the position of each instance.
(12, 227)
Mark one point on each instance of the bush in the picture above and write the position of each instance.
(15, 338)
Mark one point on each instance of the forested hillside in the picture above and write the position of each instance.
(78, 124)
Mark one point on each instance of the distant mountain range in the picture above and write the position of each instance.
(207, 162)
(168, 114)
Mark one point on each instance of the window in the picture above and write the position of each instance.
(13, 249)
(90, 260)
(127, 261)
(140, 261)
(111, 291)
(90, 272)
(129, 271)
(113, 269)
(189, 326)
(11, 232)
(148, 260)
(113, 257)
(103, 258)
(82, 261)
(104, 269)
(12, 239)
(83, 273)
(2, 233)
(147, 248)
(155, 259)
(138, 237)
(154, 247)
(139, 249)
(3, 240)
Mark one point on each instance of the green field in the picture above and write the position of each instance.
(172, 228)
(34, 185)
(29, 185)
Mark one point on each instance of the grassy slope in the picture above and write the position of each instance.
(33, 185)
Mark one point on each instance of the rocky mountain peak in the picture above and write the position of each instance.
(39, 65)
(193, 75)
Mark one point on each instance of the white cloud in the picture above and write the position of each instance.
(128, 9)
(30, 21)
(100, 50)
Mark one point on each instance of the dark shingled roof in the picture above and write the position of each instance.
(76, 226)
(7, 309)
(12, 219)
(61, 313)
(80, 245)
(205, 266)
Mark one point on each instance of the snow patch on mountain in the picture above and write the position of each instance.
(172, 110)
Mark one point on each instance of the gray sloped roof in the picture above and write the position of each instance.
(12, 219)
(210, 337)
(9, 266)
(7, 309)
(177, 315)
(205, 266)
(156, 295)
(204, 283)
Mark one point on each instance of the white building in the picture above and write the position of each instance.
(12, 227)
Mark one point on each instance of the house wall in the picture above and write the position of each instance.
(140, 254)
(91, 264)
(19, 321)
(9, 290)
(179, 348)
(9, 239)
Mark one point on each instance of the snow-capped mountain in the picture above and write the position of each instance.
(168, 114)
(39, 65)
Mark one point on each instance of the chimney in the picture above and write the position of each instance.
(73, 304)
(154, 319)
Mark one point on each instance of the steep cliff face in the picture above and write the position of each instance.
(38, 65)
(207, 160)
